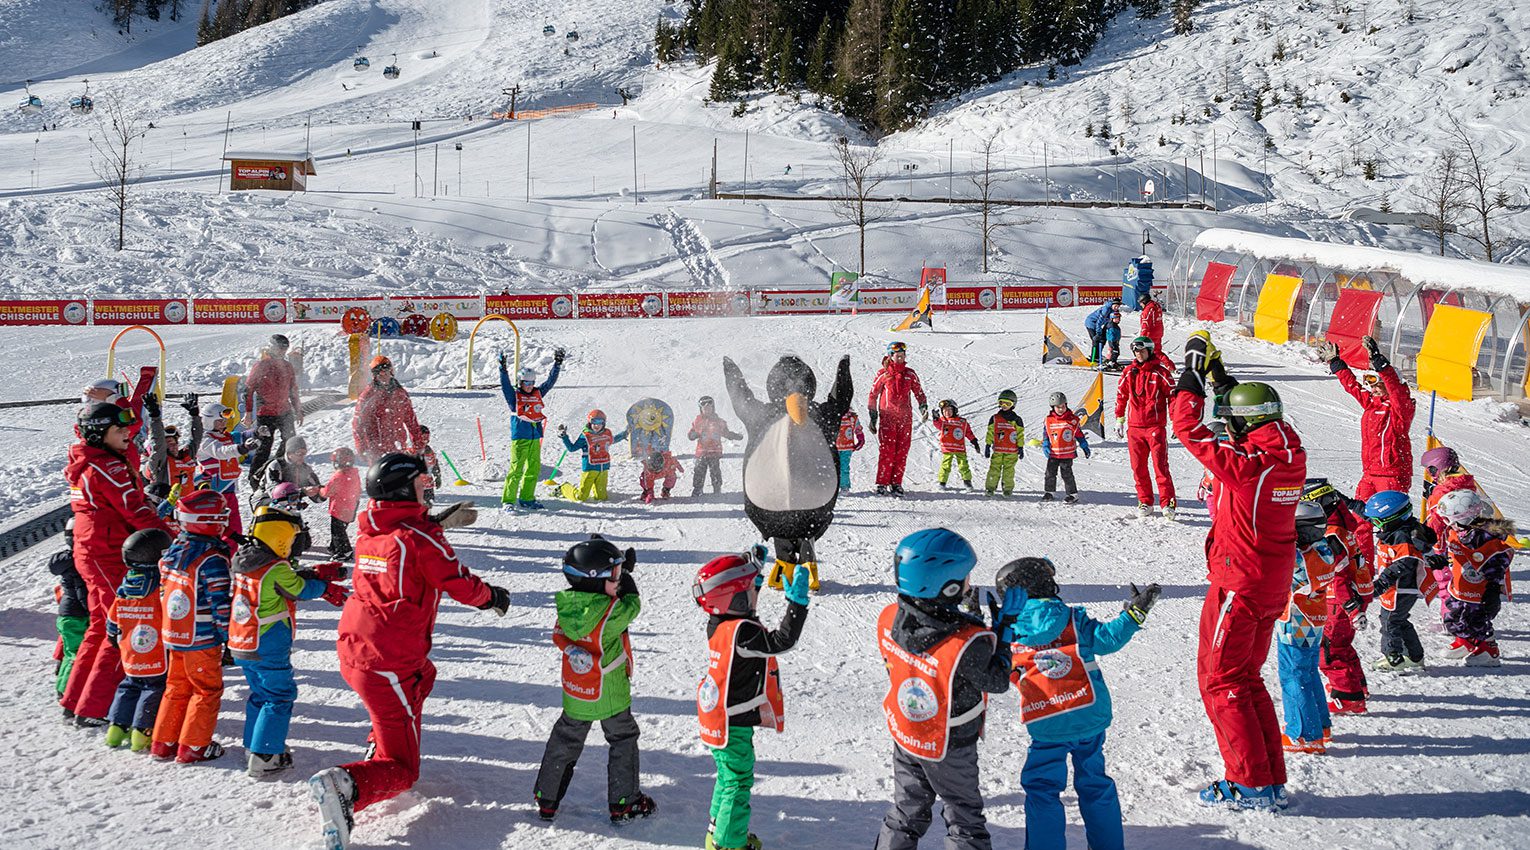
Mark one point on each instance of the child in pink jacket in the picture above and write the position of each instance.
(344, 494)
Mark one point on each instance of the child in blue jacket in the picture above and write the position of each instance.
(527, 420)
(1065, 705)
(595, 442)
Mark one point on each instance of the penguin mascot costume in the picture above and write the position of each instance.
(791, 470)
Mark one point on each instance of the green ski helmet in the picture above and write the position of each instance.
(1009, 396)
(1247, 406)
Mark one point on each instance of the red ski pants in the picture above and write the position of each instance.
(1234, 642)
(1370, 485)
(893, 433)
(97, 664)
(394, 700)
(1142, 445)
(1340, 663)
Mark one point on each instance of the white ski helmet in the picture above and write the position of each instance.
(1460, 507)
(1057, 400)
(528, 376)
(212, 412)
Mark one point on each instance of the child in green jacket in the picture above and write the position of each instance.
(593, 615)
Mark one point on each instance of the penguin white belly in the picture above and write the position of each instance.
(791, 469)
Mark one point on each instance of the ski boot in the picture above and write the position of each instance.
(1346, 706)
(1048, 497)
(753, 843)
(1484, 654)
(162, 751)
(116, 736)
(1459, 648)
(140, 740)
(1070, 499)
(529, 505)
(640, 806)
(881, 491)
(1282, 802)
(647, 497)
(192, 755)
(1231, 795)
(968, 482)
(546, 809)
(1144, 511)
(812, 567)
(83, 722)
(665, 494)
(335, 793)
(68, 715)
(261, 766)
(942, 485)
(896, 490)
(781, 568)
(1170, 510)
(1302, 745)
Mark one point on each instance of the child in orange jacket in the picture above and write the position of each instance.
(133, 622)
(954, 432)
(1062, 439)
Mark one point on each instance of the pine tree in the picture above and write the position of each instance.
(786, 72)
(205, 24)
(820, 64)
(1181, 12)
(1148, 8)
(226, 19)
(858, 63)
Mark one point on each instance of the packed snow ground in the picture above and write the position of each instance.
(1439, 762)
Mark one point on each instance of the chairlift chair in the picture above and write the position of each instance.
(392, 72)
(549, 30)
(82, 104)
(573, 35)
(361, 63)
(31, 104)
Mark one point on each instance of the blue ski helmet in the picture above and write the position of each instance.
(1387, 507)
(933, 564)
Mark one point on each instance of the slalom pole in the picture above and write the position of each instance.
(1433, 394)
(557, 468)
(460, 482)
(482, 451)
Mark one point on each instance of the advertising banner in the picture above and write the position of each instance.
(43, 312)
(332, 309)
(971, 298)
(889, 300)
(1094, 294)
(619, 305)
(772, 301)
(238, 311)
(530, 305)
(139, 311)
(460, 306)
(1035, 296)
(844, 291)
(934, 279)
(681, 304)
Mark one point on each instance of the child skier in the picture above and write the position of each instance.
(1062, 439)
(194, 577)
(659, 468)
(134, 623)
(1300, 635)
(181, 464)
(709, 430)
(1479, 554)
(293, 468)
(955, 432)
(1003, 445)
(219, 458)
(73, 607)
(742, 685)
(1348, 595)
(261, 628)
(1402, 576)
(1065, 706)
(595, 442)
(1112, 359)
(433, 466)
(849, 440)
(526, 423)
(591, 635)
(343, 491)
(941, 665)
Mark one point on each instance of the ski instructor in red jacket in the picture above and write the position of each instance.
(1142, 416)
(403, 566)
(1250, 556)
(1386, 450)
(890, 417)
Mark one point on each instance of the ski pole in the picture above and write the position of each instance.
(483, 452)
(461, 482)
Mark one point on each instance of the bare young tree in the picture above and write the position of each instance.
(1440, 196)
(1484, 191)
(860, 178)
(983, 197)
(115, 133)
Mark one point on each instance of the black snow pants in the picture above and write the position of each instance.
(566, 743)
(916, 784)
(699, 470)
(1398, 637)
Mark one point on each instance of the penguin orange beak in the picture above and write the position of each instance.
(796, 408)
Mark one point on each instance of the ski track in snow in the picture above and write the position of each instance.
(1439, 762)
(694, 250)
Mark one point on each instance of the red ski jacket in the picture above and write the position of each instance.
(384, 421)
(108, 503)
(1385, 447)
(1142, 395)
(344, 493)
(403, 565)
(1152, 323)
(890, 390)
(271, 387)
(1251, 548)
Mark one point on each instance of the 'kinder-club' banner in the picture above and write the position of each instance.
(619, 305)
(139, 311)
(462, 307)
(775, 301)
(333, 309)
(531, 305)
(238, 311)
(43, 312)
(889, 300)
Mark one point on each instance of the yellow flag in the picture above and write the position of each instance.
(1057, 348)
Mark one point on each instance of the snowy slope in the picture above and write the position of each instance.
(1439, 762)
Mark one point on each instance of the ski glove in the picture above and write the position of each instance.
(797, 591)
(456, 515)
(1142, 601)
(1378, 360)
(501, 359)
(499, 601)
(1083, 446)
(626, 586)
(987, 450)
(330, 571)
(335, 594)
(1200, 352)
(1436, 562)
(191, 405)
(1120, 426)
(871, 420)
(151, 404)
(558, 355)
(113, 631)
(629, 560)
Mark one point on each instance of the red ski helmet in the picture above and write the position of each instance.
(724, 585)
(595, 414)
(202, 512)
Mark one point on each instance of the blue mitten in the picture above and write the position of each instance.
(797, 591)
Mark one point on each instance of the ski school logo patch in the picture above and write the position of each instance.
(1472, 575)
(242, 610)
(916, 700)
(143, 637)
(580, 661)
(707, 694)
(1053, 663)
(177, 604)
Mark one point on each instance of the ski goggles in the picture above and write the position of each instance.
(1248, 410)
(599, 423)
(1006, 404)
(897, 348)
(1142, 346)
(122, 416)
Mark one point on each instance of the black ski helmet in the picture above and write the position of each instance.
(144, 548)
(391, 478)
(1311, 523)
(95, 419)
(1036, 576)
